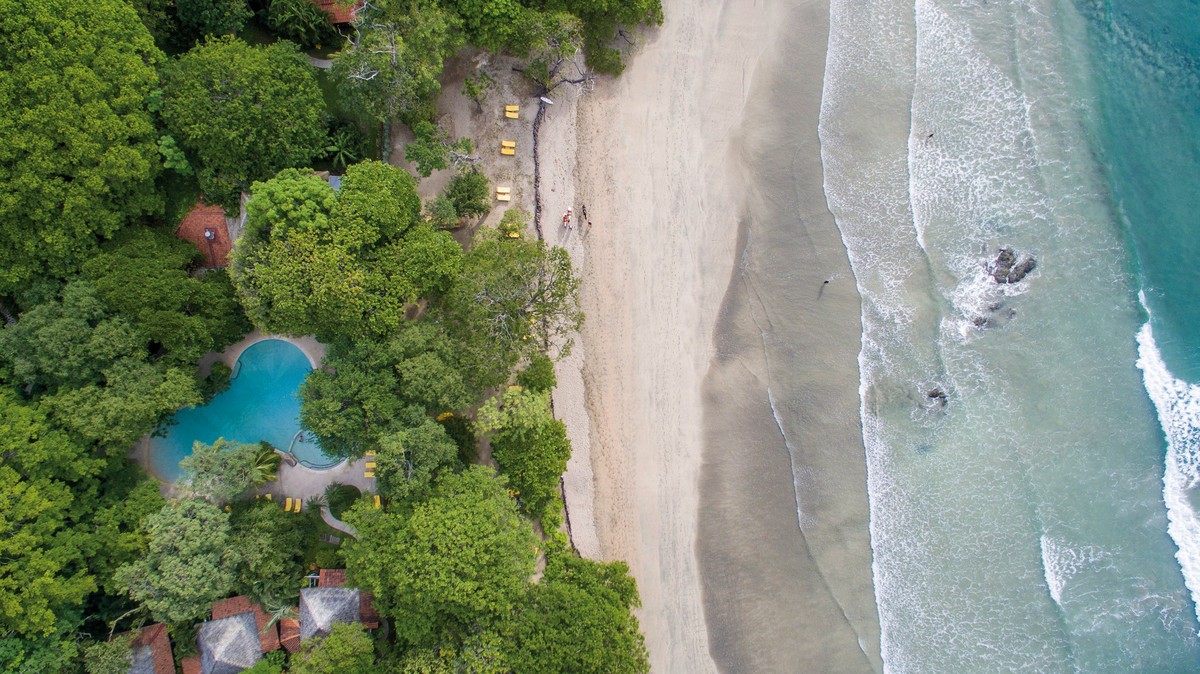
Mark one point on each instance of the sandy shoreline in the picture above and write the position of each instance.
(653, 159)
(662, 165)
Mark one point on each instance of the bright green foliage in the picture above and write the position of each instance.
(202, 18)
(602, 18)
(491, 24)
(173, 156)
(345, 650)
(421, 661)
(189, 564)
(369, 388)
(69, 343)
(392, 64)
(271, 545)
(80, 150)
(220, 472)
(410, 458)
(515, 298)
(459, 562)
(339, 497)
(243, 112)
(117, 537)
(440, 213)
(432, 150)
(539, 374)
(514, 222)
(143, 275)
(530, 445)
(133, 398)
(109, 657)
(579, 619)
(301, 21)
(470, 193)
(344, 264)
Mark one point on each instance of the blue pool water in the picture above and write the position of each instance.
(261, 404)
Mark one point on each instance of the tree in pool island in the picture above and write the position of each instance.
(514, 298)
(80, 151)
(242, 112)
(460, 562)
(344, 264)
(190, 562)
(222, 471)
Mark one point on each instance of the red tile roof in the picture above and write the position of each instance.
(190, 665)
(331, 578)
(155, 636)
(239, 605)
(289, 634)
(340, 11)
(366, 610)
(204, 217)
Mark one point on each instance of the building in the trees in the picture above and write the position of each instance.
(152, 651)
(340, 11)
(237, 636)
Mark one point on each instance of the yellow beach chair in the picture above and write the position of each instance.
(299, 503)
(371, 453)
(512, 111)
(378, 505)
(288, 506)
(371, 465)
(369, 473)
(503, 194)
(508, 147)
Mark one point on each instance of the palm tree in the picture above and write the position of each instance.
(266, 465)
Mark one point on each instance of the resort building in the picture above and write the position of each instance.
(340, 11)
(152, 651)
(237, 636)
(331, 602)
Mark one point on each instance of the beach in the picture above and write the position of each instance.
(664, 157)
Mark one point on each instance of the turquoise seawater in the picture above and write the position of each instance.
(261, 404)
(1032, 447)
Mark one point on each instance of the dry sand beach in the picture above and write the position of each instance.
(663, 157)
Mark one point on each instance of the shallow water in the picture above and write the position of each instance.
(261, 404)
(1019, 524)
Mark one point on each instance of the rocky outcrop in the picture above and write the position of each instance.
(1006, 268)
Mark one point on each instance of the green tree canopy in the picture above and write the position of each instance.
(190, 562)
(530, 445)
(339, 264)
(345, 650)
(410, 458)
(109, 657)
(432, 150)
(370, 388)
(539, 374)
(202, 18)
(459, 562)
(243, 112)
(514, 298)
(579, 619)
(80, 150)
(143, 273)
(220, 472)
(271, 545)
(393, 62)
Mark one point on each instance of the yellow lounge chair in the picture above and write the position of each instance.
(503, 194)
(507, 151)
(514, 235)
(298, 504)
(371, 453)
(377, 504)
(508, 143)
(288, 506)
(369, 473)
(512, 111)
(371, 465)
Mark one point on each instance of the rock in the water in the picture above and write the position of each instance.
(1006, 269)
(980, 321)
(937, 396)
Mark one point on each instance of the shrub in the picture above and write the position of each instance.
(441, 213)
(469, 194)
(539, 374)
(341, 497)
(515, 220)
(217, 381)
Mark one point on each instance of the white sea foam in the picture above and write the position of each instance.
(1062, 561)
(1178, 405)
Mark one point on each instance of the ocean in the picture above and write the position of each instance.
(1033, 447)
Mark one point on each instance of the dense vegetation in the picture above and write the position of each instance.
(117, 114)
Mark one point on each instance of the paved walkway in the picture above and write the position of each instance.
(323, 64)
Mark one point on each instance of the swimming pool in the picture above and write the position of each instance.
(262, 403)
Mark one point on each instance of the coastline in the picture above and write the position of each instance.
(655, 164)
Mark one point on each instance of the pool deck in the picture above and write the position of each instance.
(308, 344)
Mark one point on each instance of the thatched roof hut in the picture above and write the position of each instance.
(229, 645)
(321, 607)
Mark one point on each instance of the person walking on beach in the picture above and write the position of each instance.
(567, 217)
